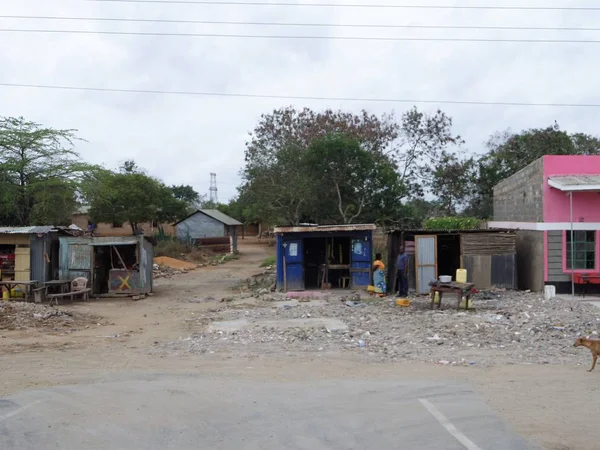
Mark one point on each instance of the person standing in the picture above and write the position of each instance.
(402, 273)
(379, 276)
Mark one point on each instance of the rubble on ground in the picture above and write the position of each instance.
(21, 315)
(504, 328)
(262, 283)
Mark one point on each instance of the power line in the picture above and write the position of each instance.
(342, 5)
(288, 24)
(299, 97)
(338, 38)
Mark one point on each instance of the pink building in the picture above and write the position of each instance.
(544, 201)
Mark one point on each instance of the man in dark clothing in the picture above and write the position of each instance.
(402, 273)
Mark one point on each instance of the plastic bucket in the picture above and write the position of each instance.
(549, 292)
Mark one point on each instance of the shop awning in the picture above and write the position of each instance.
(575, 183)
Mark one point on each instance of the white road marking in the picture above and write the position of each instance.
(443, 420)
(19, 411)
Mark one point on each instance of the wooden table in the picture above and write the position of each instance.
(460, 289)
(28, 285)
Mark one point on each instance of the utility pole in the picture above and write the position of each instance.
(214, 196)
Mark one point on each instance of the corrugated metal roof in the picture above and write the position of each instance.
(571, 183)
(218, 215)
(424, 231)
(26, 230)
(215, 214)
(326, 228)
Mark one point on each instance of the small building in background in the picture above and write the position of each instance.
(28, 253)
(208, 227)
(542, 203)
(113, 265)
(488, 255)
(324, 257)
(82, 219)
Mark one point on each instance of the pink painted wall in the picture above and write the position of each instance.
(586, 205)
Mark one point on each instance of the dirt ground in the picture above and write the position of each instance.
(550, 403)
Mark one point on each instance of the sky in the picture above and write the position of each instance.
(181, 139)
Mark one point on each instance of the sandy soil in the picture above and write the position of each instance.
(550, 404)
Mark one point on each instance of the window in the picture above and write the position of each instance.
(117, 225)
(584, 244)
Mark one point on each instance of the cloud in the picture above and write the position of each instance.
(182, 139)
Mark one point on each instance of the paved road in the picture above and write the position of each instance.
(186, 412)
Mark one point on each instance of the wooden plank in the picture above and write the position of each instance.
(22, 263)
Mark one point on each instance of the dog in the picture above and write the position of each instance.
(593, 345)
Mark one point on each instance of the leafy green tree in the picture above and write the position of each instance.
(39, 173)
(130, 196)
(189, 196)
(453, 182)
(350, 179)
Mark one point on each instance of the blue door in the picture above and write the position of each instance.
(360, 264)
(293, 263)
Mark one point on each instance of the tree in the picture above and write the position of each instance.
(39, 173)
(130, 196)
(453, 182)
(422, 143)
(281, 191)
(188, 195)
(292, 128)
(350, 179)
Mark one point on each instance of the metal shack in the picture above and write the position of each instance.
(490, 257)
(113, 265)
(205, 226)
(318, 256)
(28, 253)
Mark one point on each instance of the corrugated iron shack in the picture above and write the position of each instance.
(490, 257)
(317, 256)
(114, 265)
(28, 253)
(204, 226)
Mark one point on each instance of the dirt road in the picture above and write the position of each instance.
(544, 403)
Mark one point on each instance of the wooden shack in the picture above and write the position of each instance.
(490, 257)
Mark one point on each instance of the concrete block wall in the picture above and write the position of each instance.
(520, 197)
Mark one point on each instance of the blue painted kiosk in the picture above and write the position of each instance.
(324, 256)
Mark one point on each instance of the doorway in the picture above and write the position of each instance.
(448, 254)
(315, 251)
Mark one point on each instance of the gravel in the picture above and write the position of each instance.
(22, 315)
(504, 328)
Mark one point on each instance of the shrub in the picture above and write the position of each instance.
(452, 223)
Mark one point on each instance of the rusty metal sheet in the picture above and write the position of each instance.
(326, 228)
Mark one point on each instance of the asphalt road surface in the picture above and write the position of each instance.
(188, 412)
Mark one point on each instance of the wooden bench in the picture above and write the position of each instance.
(85, 293)
(78, 287)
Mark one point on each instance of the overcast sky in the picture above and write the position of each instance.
(181, 139)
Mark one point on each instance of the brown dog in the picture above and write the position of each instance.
(593, 345)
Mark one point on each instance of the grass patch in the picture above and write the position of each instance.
(270, 261)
